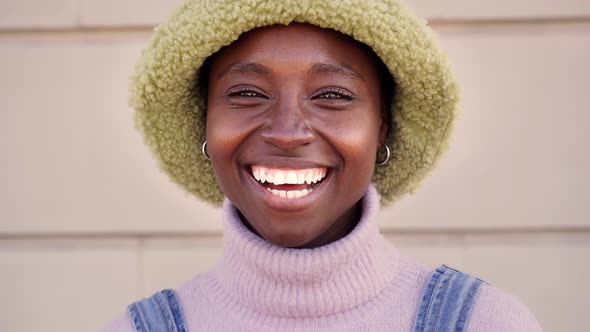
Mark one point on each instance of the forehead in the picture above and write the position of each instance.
(297, 44)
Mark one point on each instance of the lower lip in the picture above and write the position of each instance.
(284, 203)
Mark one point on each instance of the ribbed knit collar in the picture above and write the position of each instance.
(297, 283)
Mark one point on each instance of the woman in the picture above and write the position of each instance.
(308, 114)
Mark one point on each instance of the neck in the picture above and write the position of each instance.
(339, 229)
(306, 282)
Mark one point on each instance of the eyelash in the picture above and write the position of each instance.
(335, 93)
(244, 92)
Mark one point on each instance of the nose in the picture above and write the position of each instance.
(288, 127)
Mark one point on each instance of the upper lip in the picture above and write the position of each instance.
(287, 163)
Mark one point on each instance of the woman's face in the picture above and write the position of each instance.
(294, 120)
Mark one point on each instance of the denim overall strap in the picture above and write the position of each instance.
(447, 302)
(158, 313)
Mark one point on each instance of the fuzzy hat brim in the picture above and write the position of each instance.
(170, 109)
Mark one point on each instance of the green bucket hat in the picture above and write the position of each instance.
(170, 110)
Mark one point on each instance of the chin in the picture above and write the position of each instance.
(292, 244)
(289, 240)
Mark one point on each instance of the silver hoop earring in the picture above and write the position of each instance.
(204, 150)
(387, 155)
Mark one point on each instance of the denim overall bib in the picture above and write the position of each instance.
(446, 304)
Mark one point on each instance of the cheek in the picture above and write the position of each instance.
(357, 146)
(357, 141)
(226, 129)
(359, 160)
(224, 136)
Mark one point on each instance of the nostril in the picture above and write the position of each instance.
(288, 136)
(288, 140)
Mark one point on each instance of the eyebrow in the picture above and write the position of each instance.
(315, 69)
(244, 68)
(335, 68)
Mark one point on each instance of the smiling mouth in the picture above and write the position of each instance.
(289, 183)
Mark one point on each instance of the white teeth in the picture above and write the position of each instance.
(262, 173)
(279, 178)
(289, 176)
(317, 177)
(300, 178)
(290, 194)
(292, 176)
(308, 177)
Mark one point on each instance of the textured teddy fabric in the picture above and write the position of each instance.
(358, 283)
(171, 112)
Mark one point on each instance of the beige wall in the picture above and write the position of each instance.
(88, 224)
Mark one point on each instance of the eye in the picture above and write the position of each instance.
(334, 94)
(245, 92)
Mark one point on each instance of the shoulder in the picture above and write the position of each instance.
(120, 324)
(184, 296)
(496, 310)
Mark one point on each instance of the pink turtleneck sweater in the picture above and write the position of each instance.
(358, 283)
